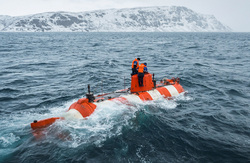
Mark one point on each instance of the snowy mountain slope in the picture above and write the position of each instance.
(148, 19)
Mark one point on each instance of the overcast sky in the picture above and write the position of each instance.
(233, 13)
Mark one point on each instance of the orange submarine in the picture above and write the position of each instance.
(150, 90)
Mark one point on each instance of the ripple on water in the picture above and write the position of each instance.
(43, 74)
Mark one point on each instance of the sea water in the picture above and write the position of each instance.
(42, 74)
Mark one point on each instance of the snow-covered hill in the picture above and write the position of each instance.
(147, 19)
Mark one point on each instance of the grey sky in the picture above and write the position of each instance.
(234, 13)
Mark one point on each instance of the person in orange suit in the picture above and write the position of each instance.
(135, 66)
(142, 69)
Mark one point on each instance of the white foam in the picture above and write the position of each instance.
(107, 120)
(162, 103)
(167, 104)
(8, 139)
(184, 97)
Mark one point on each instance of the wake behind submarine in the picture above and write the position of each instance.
(150, 90)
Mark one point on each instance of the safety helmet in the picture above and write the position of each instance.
(145, 64)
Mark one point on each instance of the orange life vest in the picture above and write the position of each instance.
(141, 68)
(137, 65)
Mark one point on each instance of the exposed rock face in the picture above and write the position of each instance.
(150, 19)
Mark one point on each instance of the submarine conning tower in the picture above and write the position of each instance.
(148, 83)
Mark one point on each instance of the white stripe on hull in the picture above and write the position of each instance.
(172, 90)
(73, 114)
(132, 98)
(155, 94)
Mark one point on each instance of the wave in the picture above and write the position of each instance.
(42, 76)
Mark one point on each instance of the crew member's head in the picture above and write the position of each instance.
(138, 59)
(145, 64)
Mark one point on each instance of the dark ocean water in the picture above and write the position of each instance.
(41, 74)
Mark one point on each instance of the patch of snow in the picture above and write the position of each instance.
(142, 19)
